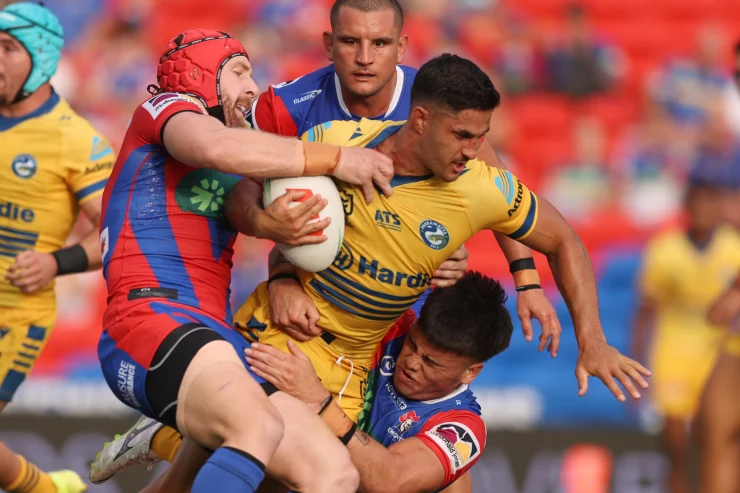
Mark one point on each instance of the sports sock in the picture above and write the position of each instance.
(229, 470)
(30, 480)
(166, 443)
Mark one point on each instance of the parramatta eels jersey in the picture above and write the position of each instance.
(51, 162)
(450, 426)
(393, 246)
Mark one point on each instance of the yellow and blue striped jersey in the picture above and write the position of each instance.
(51, 162)
(683, 281)
(393, 246)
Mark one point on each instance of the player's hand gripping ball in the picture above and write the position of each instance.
(315, 257)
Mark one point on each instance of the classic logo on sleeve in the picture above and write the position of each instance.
(458, 441)
(159, 103)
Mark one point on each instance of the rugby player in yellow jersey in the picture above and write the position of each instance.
(683, 271)
(367, 38)
(52, 165)
(442, 196)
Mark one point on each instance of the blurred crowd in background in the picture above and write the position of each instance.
(606, 107)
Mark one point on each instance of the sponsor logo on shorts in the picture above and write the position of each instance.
(24, 166)
(434, 234)
(125, 378)
(458, 442)
(159, 103)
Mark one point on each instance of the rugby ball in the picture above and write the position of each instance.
(312, 258)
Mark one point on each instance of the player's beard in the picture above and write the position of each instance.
(230, 113)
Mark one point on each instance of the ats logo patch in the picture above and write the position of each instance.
(458, 442)
(386, 220)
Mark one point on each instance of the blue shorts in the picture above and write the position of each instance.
(127, 349)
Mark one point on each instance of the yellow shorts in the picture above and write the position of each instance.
(344, 378)
(732, 345)
(680, 372)
(23, 335)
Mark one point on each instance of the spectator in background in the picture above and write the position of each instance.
(519, 62)
(690, 88)
(683, 273)
(649, 166)
(582, 65)
(582, 186)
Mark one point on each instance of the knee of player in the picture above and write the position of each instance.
(351, 479)
(263, 419)
(341, 474)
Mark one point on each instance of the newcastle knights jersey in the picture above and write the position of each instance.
(293, 108)
(163, 234)
(450, 426)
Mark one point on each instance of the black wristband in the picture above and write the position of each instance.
(326, 404)
(522, 264)
(282, 275)
(348, 436)
(71, 260)
(528, 287)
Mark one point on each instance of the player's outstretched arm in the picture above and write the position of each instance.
(201, 141)
(381, 470)
(530, 303)
(574, 275)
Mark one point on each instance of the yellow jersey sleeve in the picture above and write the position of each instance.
(87, 160)
(498, 201)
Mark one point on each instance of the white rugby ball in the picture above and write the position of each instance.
(312, 258)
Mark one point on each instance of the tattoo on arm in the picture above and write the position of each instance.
(362, 437)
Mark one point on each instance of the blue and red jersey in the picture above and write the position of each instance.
(293, 108)
(163, 234)
(450, 426)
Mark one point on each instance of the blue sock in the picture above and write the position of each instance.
(229, 470)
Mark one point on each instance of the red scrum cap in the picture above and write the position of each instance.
(192, 64)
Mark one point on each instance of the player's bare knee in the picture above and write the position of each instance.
(262, 423)
(335, 472)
